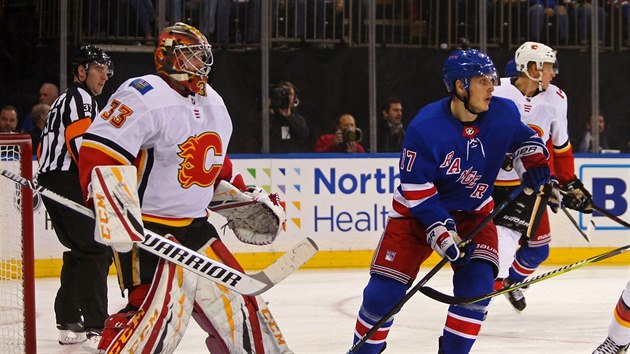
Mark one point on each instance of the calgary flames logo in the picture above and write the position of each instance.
(195, 151)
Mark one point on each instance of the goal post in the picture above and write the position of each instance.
(17, 274)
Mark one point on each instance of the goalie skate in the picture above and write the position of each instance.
(610, 347)
(515, 297)
(71, 333)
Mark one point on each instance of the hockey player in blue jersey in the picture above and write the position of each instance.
(451, 156)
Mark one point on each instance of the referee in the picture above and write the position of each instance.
(81, 301)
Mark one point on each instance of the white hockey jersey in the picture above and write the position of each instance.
(178, 144)
(546, 113)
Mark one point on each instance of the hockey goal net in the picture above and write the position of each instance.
(17, 279)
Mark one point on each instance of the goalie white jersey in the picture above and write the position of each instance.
(546, 113)
(177, 143)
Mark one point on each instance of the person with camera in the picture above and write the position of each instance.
(346, 139)
(289, 131)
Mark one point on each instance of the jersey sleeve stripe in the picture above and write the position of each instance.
(108, 147)
(107, 151)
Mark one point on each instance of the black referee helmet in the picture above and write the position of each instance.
(88, 54)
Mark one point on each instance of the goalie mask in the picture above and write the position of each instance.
(184, 54)
(537, 53)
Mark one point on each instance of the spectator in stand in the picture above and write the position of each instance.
(250, 16)
(540, 10)
(391, 132)
(48, 93)
(8, 119)
(585, 11)
(346, 139)
(586, 144)
(289, 131)
(39, 114)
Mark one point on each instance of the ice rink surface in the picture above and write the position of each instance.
(316, 310)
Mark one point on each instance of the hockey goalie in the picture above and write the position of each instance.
(157, 314)
(175, 129)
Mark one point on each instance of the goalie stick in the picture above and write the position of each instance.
(246, 284)
(460, 300)
(499, 208)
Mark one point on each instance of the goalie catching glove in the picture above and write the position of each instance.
(576, 197)
(254, 217)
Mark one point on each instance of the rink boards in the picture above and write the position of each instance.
(341, 201)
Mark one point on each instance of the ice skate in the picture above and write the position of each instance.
(71, 333)
(93, 337)
(609, 347)
(515, 297)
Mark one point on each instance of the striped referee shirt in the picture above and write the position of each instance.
(69, 117)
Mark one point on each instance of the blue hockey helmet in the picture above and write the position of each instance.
(465, 64)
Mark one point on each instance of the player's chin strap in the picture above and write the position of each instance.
(466, 100)
(498, 209)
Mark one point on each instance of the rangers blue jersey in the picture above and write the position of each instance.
(447, 165)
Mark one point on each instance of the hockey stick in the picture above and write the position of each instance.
(459, 300)
(611, 216)
(515, 193)
(195, 262)
(589, 228)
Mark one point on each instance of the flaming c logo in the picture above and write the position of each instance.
(194, 151)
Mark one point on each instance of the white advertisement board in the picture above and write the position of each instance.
(342, 201)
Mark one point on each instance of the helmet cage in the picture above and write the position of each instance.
(187, 55)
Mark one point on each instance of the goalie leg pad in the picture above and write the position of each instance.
(235, 323)
(160, 322)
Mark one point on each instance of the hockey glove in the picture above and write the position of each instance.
(466, 252)
(555, 197)
(443, 238)
(535, 177)
(576, 197)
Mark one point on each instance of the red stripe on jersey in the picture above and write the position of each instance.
(560, 93)
(401, 209)
(622, 313)
(419, 194)
(379, 336)
(462, 326)
(563, 164)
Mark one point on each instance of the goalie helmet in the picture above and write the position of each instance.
(88, 54)
(465, 64)
(184, 54)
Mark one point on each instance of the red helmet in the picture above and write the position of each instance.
(184, 54)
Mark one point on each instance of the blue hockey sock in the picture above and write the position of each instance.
(379, 296)
(527, 260)
(464, 321)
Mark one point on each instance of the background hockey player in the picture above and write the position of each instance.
(81, 302)
(175, 129)
(619, 330)
(543, 106)
(451, 156)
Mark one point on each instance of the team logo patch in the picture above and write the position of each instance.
(141, 85)
(390, 255)
(470, 132)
